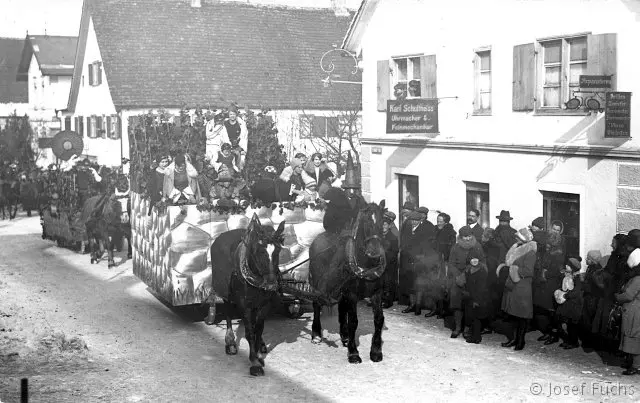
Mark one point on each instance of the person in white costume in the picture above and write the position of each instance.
(232, 130)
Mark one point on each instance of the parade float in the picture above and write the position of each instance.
(171, 243)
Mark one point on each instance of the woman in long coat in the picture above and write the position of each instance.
(517, 300)
(630, 298)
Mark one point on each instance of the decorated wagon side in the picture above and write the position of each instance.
(171, 247)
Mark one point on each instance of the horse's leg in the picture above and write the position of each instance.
(352, 325)
(248, 319)
(93, 248)
(111, 263)
(230, 346)
(378, 322)
(129, 250)
(343, 318)
(261, 346)
(316, 327)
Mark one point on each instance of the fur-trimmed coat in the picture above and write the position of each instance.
(630, 298)
(323, 170)
(517, 299)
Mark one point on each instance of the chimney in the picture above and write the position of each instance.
(340, 8)
(196, 3)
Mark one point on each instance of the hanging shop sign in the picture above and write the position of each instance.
(593, 82)
(412, 116)
(617, 118)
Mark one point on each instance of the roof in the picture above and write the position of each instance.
(223, 52)
(352, 39)
(55, 55)
(11, 90)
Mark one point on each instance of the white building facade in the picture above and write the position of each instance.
(501, 72)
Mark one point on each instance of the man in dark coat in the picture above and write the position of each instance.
(504, 235)
(472, 221)
(390, 242)
(339, 211)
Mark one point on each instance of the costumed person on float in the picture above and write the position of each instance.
(181, 181)
(228, 159)
(233, 131)
(343, 203)
(156, 181)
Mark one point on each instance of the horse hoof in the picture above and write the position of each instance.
(129, 256)
(209, 320)
(256, 371)
(376, 356)
(93, 261)
(355, 359)
(316, 339)
(263, 349)
(231, 350)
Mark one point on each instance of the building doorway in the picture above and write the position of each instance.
(564, 207)
(478, 199)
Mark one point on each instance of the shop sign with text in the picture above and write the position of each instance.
(617, 115)
(412, 116)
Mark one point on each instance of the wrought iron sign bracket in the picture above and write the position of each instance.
(593, 101)
(328, 67)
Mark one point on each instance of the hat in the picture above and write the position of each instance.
(423, 210)
(504, 216)
(575, 263)
(295, 162)
(389, 216)
(594, 255)
(525, 234)
(633, 238)
(351, 181)
(473, 254)
(465, 231)
(270, 169)
(538, 222)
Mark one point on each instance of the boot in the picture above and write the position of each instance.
(544, 337)
(522, 331)
(410, 308)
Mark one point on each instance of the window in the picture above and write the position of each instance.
(407, 78)
(562, 63)
(80, 125)
(478, 198)
(482, 82)
(564, 207)
(95, 73)
(409, 189)
(319, 126)
(67, 123)
(100, 131)
(91, 127)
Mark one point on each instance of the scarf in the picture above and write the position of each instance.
(634, 259)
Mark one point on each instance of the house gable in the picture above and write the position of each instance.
(11, 90)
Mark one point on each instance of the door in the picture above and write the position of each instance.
(564, 207)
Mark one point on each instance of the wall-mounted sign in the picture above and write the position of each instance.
(590, 82)
(617, 118)
(412, 116)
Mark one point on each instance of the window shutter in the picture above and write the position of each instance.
(67, 123)
(602, 56)
(100, 132)
(524, 74)
(428, 77)
(108, 126)
(89, 127)
(118, 131)
(333, 127)
(476, 82)
(384, 85)
(318, 126)
(99, 73)
(90, 74)
(80, 126)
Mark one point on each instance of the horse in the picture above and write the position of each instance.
(344, 266)
(245, 272)
(105, 224)
(29, 195)
(9, 195)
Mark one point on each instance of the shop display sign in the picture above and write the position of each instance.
(412, 116)
(617, 115)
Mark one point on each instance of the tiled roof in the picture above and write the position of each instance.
(55, 54)
(11, 90)
(166, 53)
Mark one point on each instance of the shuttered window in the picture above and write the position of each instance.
(91, 128)
(320, 126)
(547, 74)
(118, 128)
(482, 82)
(100, 131)
(406, 78)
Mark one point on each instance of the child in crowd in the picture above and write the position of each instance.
(228, 159)
(570, 303)
(478, 299)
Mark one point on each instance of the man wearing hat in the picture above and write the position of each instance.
(504, 235)
(417, 233)
(390, 243)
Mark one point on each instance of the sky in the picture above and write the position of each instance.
(58, 17)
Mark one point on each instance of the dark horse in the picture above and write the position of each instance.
(105, 224)
(245, 272)
(9, 194)
(346, 266)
